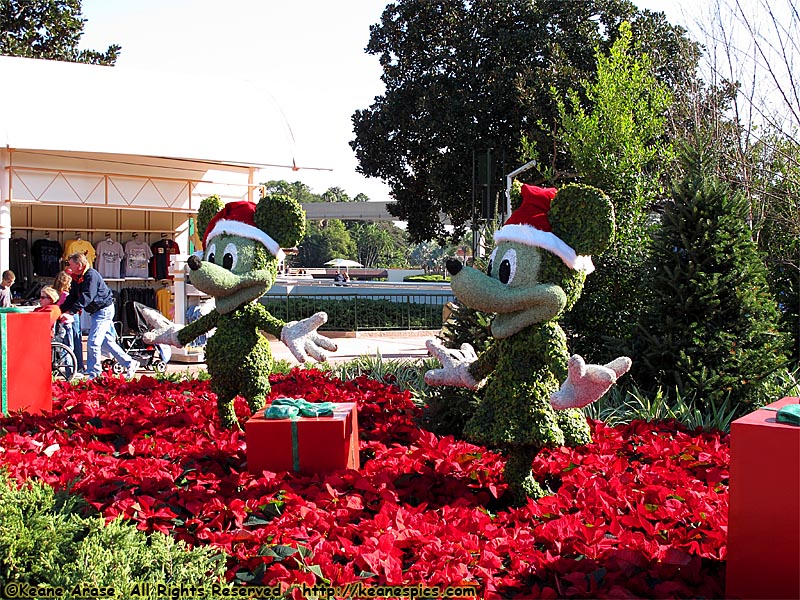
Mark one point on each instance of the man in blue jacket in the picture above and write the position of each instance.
(90, 293)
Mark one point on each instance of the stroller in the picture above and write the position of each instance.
(153, 357)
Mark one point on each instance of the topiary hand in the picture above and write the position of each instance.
(456, 365)
(302, 339)
(587, 383)
(163, 331)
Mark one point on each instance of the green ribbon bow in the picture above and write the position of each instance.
(789, 414)
(295, 409)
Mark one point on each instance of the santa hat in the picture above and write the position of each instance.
(529, 225)
(238, 218)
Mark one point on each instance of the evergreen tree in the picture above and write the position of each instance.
(711, 334)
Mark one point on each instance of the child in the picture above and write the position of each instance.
(72, 326)
(48, 299)
(5, 288)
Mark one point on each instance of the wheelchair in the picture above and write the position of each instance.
(63, 363)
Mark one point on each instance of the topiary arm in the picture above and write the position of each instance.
(266, 322)
(197, 328)
(486, 363)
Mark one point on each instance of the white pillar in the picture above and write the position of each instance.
(5, 208)
(177, 268)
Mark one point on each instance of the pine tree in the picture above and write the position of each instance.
(711, 334)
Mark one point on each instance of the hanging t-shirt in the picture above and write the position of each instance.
(46, 257)
(137, 259)
(20, 262)
(82, 246)
(162, 250)
(165, 299)
(109, 258)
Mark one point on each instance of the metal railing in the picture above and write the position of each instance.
(363, 311)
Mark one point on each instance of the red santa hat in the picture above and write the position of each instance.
(238, 218)
(529, 225)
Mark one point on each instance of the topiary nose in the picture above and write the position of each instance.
(453, 266)
(194, 262)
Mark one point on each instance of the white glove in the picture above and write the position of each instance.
(456, 365)
(163, 331)
(587, 383)
(302, 339)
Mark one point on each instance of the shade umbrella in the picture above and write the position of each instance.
(343, 262)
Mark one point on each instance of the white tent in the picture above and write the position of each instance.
(52, 105)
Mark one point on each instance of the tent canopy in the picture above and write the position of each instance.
(343, 262)
(52, 105)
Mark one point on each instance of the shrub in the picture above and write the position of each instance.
(435, 278)
(50, 539)
(711, 334)
(357, 313)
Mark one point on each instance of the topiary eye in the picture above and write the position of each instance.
(210, 252)
(230, 257)
(491, 261)
(508, 267)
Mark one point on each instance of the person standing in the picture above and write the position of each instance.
(90, 293)
(5, 288)
(71, 325)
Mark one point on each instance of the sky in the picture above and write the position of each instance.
(308, 54)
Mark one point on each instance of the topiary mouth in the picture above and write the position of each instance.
(229, 289)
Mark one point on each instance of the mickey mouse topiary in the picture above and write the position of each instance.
(535, 274)
(242, 244)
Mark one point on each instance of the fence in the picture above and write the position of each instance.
(363, 311)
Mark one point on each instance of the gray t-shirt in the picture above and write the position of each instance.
(137, 259)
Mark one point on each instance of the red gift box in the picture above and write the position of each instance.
(305, 444)
(764, 506)
(25, 371)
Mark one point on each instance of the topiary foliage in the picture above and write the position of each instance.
(583, 217)
(282, 218)
(208, 208)
(239, 265)
(530, 281)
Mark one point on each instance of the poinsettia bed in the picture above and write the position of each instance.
(641, 512)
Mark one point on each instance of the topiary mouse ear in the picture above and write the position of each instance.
(583, 217)
(282, 218)
(208, 208)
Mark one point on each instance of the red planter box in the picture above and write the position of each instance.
(25, 373)
(306, 445)
(764, 507)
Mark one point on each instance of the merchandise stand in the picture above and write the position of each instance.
(45, 195)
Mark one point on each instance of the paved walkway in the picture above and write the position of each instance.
(391, 345)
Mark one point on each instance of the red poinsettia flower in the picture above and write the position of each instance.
(640, 512)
